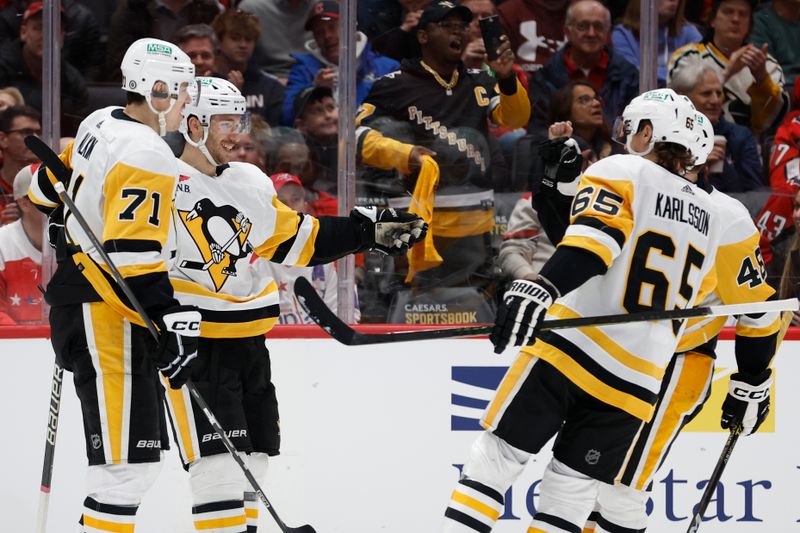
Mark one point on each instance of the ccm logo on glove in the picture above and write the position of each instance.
(746, 394)
(185, 326)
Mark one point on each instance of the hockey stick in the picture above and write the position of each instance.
(49, 448)
(336, 328)
(694, 525)
(56, 166)
(197, 265)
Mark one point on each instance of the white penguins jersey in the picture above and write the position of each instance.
(123, 178)
(739, 276)
(658, 235)
(220, 222)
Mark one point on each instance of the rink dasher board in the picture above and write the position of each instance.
(373, 436)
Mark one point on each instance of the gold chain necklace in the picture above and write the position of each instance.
(449, 86)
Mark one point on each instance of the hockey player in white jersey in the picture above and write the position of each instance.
(123, 178)
(641, 237)
(687, 379)
(226, 212)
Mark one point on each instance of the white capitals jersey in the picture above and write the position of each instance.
(658, 234)
(221, 221)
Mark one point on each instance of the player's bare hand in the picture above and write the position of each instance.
(411, 20)
(474, 53)
(559, 129)
(503, 66)
(236, 78)
(415, 157)
(325, 78)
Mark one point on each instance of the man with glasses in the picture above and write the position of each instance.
(586, 55)
(16, 123)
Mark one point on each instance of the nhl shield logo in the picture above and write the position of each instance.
(592, 457)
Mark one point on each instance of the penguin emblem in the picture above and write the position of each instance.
(220, 234)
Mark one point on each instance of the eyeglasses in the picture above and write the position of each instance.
(453, 26)
(583, 27)
(24, 132)
(586, 99)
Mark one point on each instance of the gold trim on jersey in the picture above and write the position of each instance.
(140, 224)
(190, 287)
(761, 331)
(620, 218)
(637, 364)
(695, 374)
(129, 271)
(512, 381)
(227, 330)
(699, 331)
(221, 302)
(565, 364)
(287, 225)
(475, 505)
(590, 245)
(94, 275)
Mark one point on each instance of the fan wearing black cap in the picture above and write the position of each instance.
(753, 80)
(440, 104)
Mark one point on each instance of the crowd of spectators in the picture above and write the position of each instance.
(428, 92)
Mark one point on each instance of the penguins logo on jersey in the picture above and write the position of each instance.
(220, 234)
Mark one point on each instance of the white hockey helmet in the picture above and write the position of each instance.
(209, 97)
(673, 118)
(148, 61)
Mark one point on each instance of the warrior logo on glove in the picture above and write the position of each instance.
(524, 306)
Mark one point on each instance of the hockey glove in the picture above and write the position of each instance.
(562, 165)
(388, 231)
(747, 403)
(524, 306)
(177, 343)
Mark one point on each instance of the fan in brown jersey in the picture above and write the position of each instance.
(436, 102)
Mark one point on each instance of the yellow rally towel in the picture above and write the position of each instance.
(423, 255)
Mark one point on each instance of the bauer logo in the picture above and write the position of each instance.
(708, 419)
(162, 49)
(471, 391)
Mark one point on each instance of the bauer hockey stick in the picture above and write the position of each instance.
(57, 167)
(694, 525)
(336, 328)
(49, 448)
